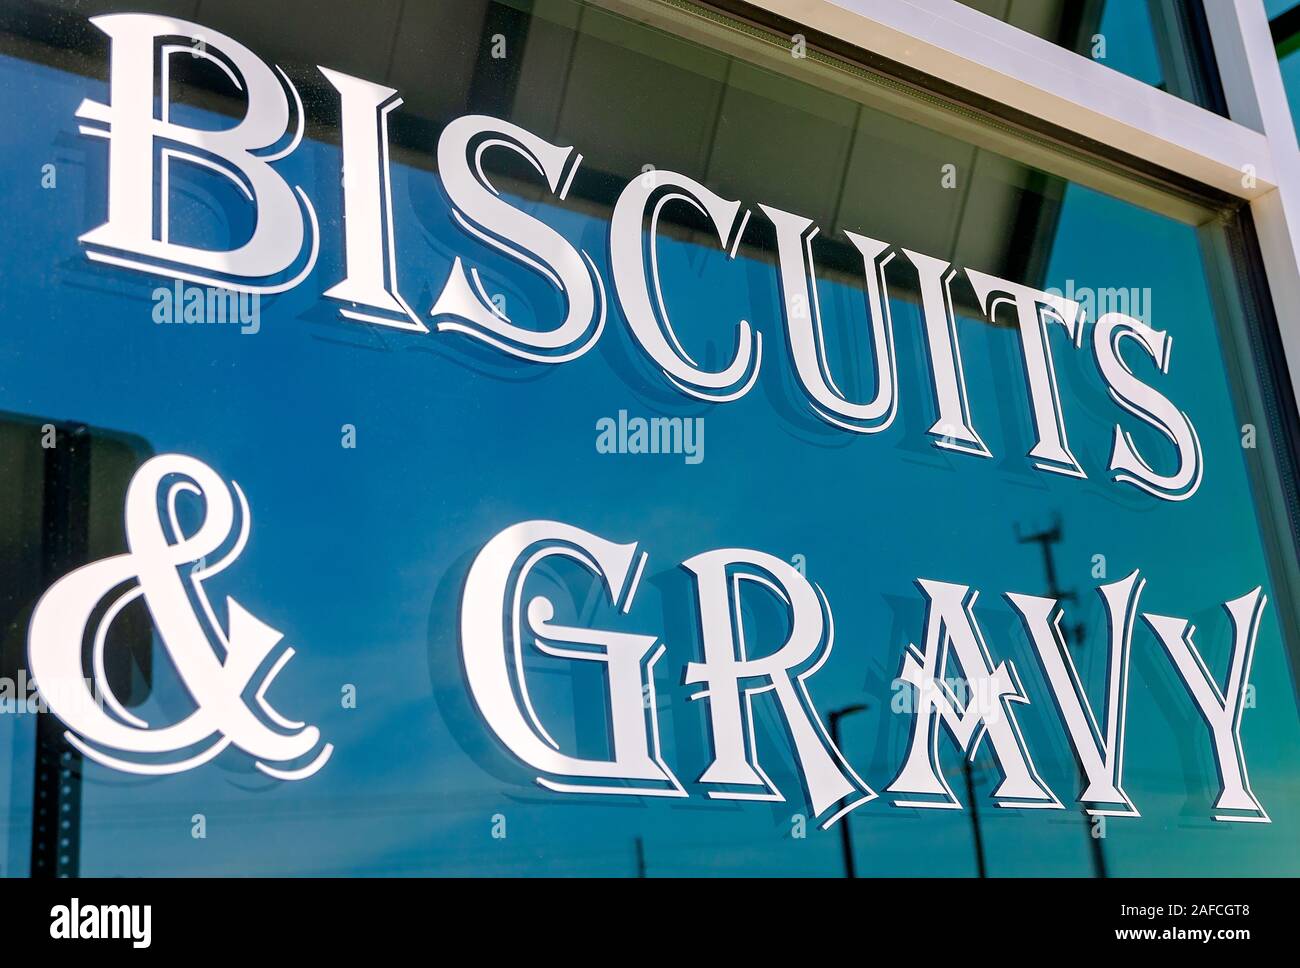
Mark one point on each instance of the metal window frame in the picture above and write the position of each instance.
(1251, 155)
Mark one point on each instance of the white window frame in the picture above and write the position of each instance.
(1253, 156)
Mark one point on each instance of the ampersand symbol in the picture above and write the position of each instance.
(160, 562)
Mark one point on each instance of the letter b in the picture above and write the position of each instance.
(136, 138)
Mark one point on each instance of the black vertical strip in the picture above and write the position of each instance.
(1265, 335)
(1033, 230)
(1285, 28)
(56, 806)
(977, 836)
(492, 88)
(1199, 48)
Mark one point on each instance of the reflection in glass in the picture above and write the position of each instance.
(359, 554)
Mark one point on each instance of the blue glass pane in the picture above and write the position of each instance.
(378, 462)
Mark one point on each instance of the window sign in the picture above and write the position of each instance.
(452, 470)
